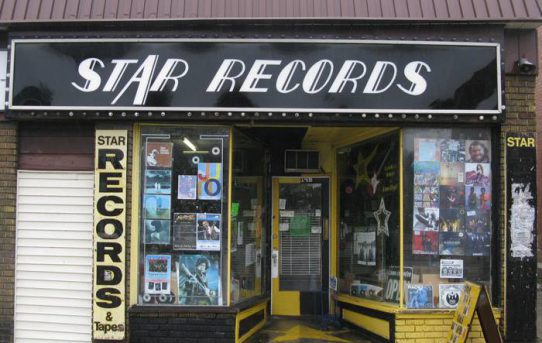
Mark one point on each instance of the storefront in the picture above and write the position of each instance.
(359, 175)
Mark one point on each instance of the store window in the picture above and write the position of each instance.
(184, 215)
(368, 179)
(248, 211)
(448, 210)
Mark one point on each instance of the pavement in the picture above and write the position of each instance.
(311, 329)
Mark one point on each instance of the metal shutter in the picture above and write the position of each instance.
(53, 271)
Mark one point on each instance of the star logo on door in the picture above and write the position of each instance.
(382, 216)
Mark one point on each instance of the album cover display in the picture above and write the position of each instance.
(199, 280)
(419, 296)
(452, 196)
(449, 294)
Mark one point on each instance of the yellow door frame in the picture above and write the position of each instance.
(287, 303)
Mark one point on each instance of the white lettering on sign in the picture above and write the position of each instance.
(260, 76)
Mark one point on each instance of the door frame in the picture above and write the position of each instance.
(299, 179)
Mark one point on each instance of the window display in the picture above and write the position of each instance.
(448, 201)
(368, 179)
(183, 226)
(247, 218)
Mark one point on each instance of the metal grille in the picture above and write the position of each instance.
(301, 255)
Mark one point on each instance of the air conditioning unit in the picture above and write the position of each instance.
(301, 161)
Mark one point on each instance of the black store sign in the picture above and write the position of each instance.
(255, 75)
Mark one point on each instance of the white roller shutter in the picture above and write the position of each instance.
(53, 272)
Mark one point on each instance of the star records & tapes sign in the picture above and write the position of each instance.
(321, 76)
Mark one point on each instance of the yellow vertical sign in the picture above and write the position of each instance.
(108, 321)
(464, 313)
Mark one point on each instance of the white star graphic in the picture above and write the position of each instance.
(382, 215)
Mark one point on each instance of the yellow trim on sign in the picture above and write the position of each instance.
(134, 219)
(377, 326)
(371, 304)
(230, 181)
(247, 313)
(505, 234)
(401, 223)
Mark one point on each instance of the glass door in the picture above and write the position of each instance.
(300, 246)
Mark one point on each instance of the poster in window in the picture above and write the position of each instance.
(452, 174)
(365, 248)
(208, 229)
(452, 150)
(250, 254)
(158, 154)
(478, 151)
(419, 296)
(300, 225)
(478, 198)
(199, 279)
(426, 149)
(449, 294)
(209, 181)
(157, 231)
(478, 235)
(451, 269)
(452, 220)
(426, 173)
(426, 219)
(157, 181)
(452, 243)
(426, 196)
(184, 231)
(187, 187)
(157, 274)
(157, 206)
(452, 196)
(477, 174)
(425, 242)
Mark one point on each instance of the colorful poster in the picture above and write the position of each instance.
(452, 243)
(157, 231)
(157, 274)
(365, 248)
(158, 154)
(426, 219)
(477, 151)
(477, 174)
(184, 231)
(451, 269)
(210, 181)
(157, 181)
(157, 206)
(199, 279)
(426, 149)
(426, 196)
(478, 235)
(208, 232)
(452, 196)
(426, 173)
(449, 294)
(419, 296)
(452, 220)
(187, 187)
(425, 242)
(452, 150)
(452, 174)
(478, 198)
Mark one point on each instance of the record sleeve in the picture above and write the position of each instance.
(449, 294)
(419, 296)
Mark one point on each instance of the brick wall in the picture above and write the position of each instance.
(8, 188)
(185, 327)
(432, 328)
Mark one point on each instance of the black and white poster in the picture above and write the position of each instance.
(184, 231)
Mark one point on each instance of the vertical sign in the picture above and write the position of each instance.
(521, 236)
(108, 320)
